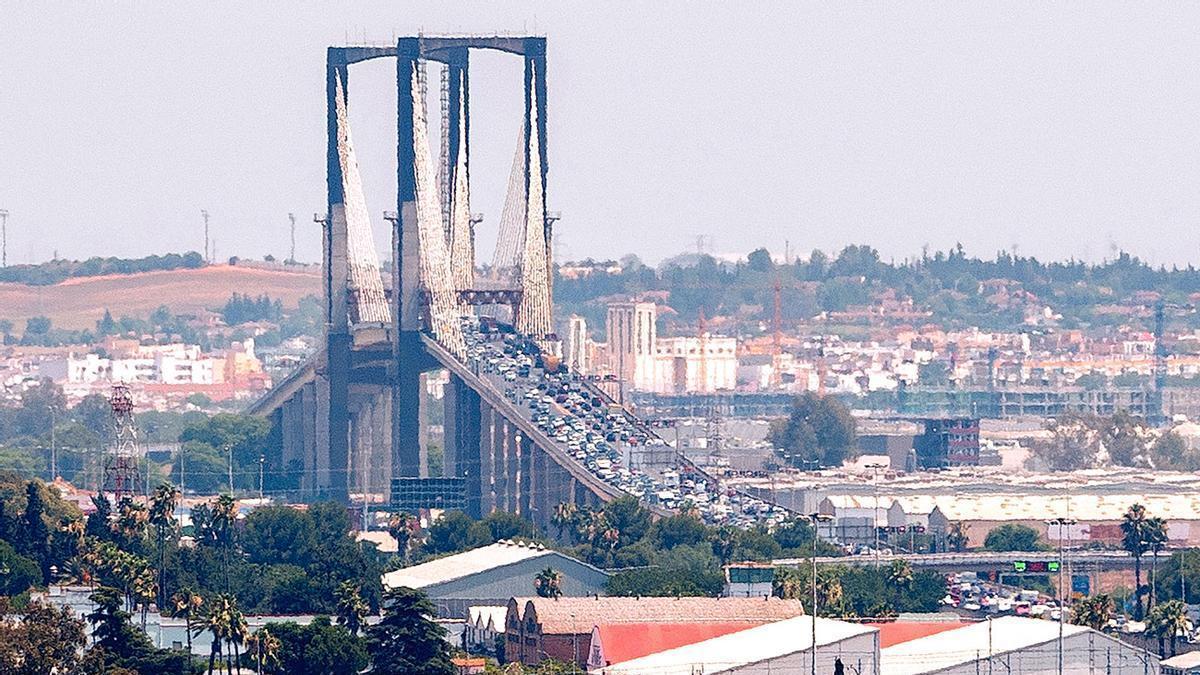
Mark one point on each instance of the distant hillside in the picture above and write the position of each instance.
(79, 303)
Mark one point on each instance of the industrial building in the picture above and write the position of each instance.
(1014, 644)
(490, 575)
(562, 628)
(780, 647)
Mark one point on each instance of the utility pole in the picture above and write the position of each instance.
(262, 459)
(1062, 610)
(204, 215)
(292, 250)
(53, 445)
(229, 450)
(3, 237)
(813, 519)
(875, 514)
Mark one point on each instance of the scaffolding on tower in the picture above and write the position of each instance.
(120, 465)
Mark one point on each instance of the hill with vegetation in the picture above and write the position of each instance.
(79, 301)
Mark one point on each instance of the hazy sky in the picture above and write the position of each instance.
(1065, 130)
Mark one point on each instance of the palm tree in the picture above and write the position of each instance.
(900, 575)
(1134, 531)
(1156, 538)
(788, 584)
(131, 520)
(400, 527)
(216, 622)
(224, 514)
(266, 650)
(725, 543)
(564, 516)
(1168, 620)
(351, 608)
(829, 592)
(958, 538)
(548, 583)
(187, 605)
(238, 630)
(162, 516)
(1094, 612)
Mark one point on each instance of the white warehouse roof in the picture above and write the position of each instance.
(741, 648)
(967, 644)
(464, 564)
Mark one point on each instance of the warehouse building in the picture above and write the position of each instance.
(562, 628)
(1014, 644)
(778, 647)
(490, 575)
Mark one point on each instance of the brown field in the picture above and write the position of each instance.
(80, 303)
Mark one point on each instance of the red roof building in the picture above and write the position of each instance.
(617, 642)
(562, 628)
(895, 632)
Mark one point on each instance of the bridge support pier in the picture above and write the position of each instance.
(487, 457)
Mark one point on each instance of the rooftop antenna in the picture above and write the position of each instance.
(292, 253)
(204, 215)
(3, 237)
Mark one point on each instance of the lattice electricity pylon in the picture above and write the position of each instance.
(120, 467)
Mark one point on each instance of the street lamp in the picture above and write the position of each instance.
(813, 519)
(875, 514)
(1062, 607)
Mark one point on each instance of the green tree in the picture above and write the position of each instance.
(453, 532)
(319, 648)
(680, 528)
(279, 534)
(407, 640)
(819, 431)
(37, 533)
(499, 525)
(1013, 537)
(629, 518)
(39, 639)
(21, 573)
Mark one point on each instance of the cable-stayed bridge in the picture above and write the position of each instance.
(352, 417)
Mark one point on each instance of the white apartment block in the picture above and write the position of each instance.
(632, 337)
(680, 365)
(646, 362)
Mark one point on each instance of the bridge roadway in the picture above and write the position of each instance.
(580, 476)
(978, 561)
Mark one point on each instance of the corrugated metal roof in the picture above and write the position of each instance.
(895, 632)
(964, 645)
(628, 641)
(463, 564)
(752, 645)
(565, 616)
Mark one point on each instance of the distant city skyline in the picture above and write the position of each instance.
(1067, 132)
